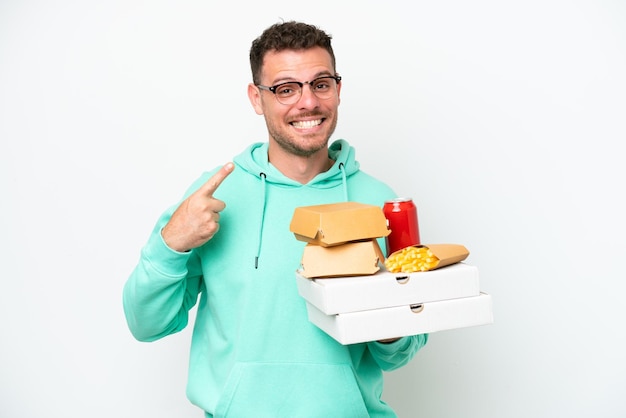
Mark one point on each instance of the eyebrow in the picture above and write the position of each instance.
(324, 73)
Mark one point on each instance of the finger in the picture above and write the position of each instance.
(214, 182)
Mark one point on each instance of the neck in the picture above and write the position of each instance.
(299, 168)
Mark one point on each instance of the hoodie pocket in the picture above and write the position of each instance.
(294, 390)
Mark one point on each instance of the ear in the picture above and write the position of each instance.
(339, 93)
(254, 94)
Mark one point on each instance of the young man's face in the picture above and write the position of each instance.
(305, 126)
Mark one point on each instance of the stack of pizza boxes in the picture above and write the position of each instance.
(353, 297)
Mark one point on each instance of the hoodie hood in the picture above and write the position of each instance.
(254, 160)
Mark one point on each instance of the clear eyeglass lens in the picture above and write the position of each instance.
(322, 87)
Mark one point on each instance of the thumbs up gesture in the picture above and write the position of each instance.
(197, 218)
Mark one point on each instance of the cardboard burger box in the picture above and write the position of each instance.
(353, 258)
(401, 321)
(385, 289)
(338, 223)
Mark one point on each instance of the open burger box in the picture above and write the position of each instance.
(341, 238)
(349, 297)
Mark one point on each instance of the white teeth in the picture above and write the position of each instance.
(304, 124)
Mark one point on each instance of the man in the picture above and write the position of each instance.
(253, 352)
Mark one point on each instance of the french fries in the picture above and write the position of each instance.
(411, 259)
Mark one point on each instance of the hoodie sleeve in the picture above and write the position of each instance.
(161, 290)
(398, 353)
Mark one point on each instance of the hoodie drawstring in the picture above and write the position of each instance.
(344, 181)
(263, 176)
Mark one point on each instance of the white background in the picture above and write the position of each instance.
(504, 120)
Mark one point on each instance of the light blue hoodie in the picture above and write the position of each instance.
(253, 352)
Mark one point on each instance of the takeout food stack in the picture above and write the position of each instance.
(341, 239)
(356, 295)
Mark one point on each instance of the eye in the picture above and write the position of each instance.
(287, 89)
(322, 84)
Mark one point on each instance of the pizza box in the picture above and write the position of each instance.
(402, 321)
(384, 289)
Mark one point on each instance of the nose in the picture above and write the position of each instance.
(308, 99)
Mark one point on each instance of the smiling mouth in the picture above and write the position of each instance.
(306, 124)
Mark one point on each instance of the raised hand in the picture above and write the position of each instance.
(197, 218)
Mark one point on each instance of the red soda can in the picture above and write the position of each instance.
(401, 215)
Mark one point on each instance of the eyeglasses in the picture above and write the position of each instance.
(290, 92)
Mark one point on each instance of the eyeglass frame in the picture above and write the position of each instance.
(301, 84)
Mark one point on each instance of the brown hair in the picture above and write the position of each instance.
(287, 35)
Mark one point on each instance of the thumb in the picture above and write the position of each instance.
(214, 182)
